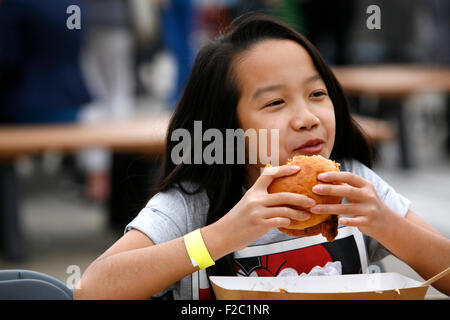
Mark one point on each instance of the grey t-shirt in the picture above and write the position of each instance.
(173, 213)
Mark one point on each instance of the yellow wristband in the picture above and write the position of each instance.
(197, 250)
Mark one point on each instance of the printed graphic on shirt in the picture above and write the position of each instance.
(288, 263)
(293, 257)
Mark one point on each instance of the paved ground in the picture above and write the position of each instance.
(63, 229)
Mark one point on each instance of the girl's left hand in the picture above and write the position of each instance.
(370, 214)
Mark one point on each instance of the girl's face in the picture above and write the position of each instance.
(281, 89)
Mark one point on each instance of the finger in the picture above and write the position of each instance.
(286, 212)
(271, 173)
(353, 222)
(288, 198)
(347, 208)
(278, 222)
(339, 190)
(342, 177)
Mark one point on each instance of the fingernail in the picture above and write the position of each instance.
(315, 209)
(311, 202)
(306, 216)
(317, 188)
(322, 176)
(269, 171)
(294, 168)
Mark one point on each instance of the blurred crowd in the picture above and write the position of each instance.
(52, 74)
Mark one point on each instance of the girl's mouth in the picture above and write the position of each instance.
(309, 148)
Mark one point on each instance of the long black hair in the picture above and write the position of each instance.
(211, 95)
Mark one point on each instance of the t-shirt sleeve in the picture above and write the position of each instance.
(395, 201)
(163, 218)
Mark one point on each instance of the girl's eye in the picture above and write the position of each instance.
(275, 103)
(318, 94)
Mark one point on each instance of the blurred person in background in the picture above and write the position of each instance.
(395, 42)
(108, 65)
(40, 76)
(185, 25)
(210, 16)
(40, 82)
(326, 23)
(439, 49)
(420, 38)
(432, 29)
(176, 28)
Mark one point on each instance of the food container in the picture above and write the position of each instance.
(373, 286)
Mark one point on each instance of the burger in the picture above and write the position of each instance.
(302, 183)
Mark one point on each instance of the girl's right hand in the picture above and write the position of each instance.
(259, 211)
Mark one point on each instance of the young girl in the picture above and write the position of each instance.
(261, 75)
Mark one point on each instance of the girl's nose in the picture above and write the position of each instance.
(304, 119)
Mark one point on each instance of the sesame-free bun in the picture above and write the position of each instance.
(302, 182)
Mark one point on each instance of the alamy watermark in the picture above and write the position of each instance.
(73, 280)
(232, 143)
(73, 21)
(374, 20)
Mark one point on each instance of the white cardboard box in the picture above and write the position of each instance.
(373, 286)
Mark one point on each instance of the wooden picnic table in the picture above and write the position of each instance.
(393, 81)
(145, 135)
(142, 135)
